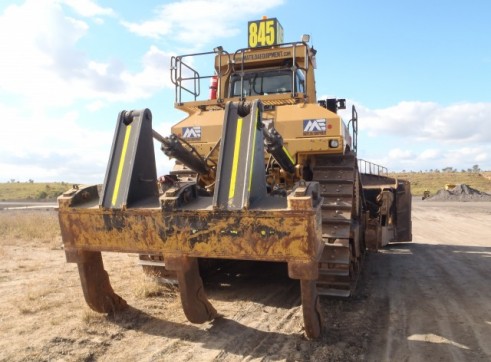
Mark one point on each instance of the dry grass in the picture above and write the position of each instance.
(39, 226)
(147, 286)
(32, 191)
(434, 181)
(35, 300)
(90, 317)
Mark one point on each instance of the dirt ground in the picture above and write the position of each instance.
(429, 300)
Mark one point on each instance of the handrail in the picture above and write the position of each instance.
(372, 168)
(178, 67)
(354, 125)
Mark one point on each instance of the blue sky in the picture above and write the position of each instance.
(419, 73)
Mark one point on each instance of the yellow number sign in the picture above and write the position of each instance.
(265, 32)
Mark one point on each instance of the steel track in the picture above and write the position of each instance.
(342, 228)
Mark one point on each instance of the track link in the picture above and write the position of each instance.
(341, 224)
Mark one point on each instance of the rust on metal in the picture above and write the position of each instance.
(243, 234)
(312, 313)
(96, 286)
(194, 302)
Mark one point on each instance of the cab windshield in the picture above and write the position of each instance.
(267, 82)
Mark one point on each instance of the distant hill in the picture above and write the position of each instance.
(434, 181)
(420, 181)
(38, 191)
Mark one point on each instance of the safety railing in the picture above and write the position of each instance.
(372, 168)
(187, 80)
(354, 128)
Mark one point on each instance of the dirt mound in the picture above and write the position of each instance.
(461, 192)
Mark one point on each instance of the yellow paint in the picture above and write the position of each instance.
(121, 165)
(286, 152)
(235, 162)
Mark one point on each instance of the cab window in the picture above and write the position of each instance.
(267, 82)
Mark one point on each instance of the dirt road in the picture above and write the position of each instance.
(429, 300)
(438, 289)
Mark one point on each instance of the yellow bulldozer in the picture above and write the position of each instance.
(263, 171)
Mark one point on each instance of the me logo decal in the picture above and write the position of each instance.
(193, 133)
(314, 127)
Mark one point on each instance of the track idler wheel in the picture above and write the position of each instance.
(312, 315)
(96, 286)
(194, 302)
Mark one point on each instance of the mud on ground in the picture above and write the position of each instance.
(426, 300)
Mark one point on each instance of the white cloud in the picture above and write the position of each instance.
(416, 135)
(405, 117)
(455, 157)
(151, 29)
(399, 154)
(88, 8)
(197, 22)
(430, 154)
(482, 156)
(43, 72)
(42, 64)
(155, 74)
(51, 148)
(95, 106)
(467, 155)
(37, 146)
(428, 121)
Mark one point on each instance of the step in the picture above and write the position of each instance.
(336, 229)
(339, 285)
(333, 292)
(327, 272)
(336, 189)
(335, 175)
(337, 200)
(337, 252)
(335, 215)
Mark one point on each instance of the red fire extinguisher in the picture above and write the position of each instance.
(213, 87)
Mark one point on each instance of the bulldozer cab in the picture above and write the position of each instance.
(278, 75)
